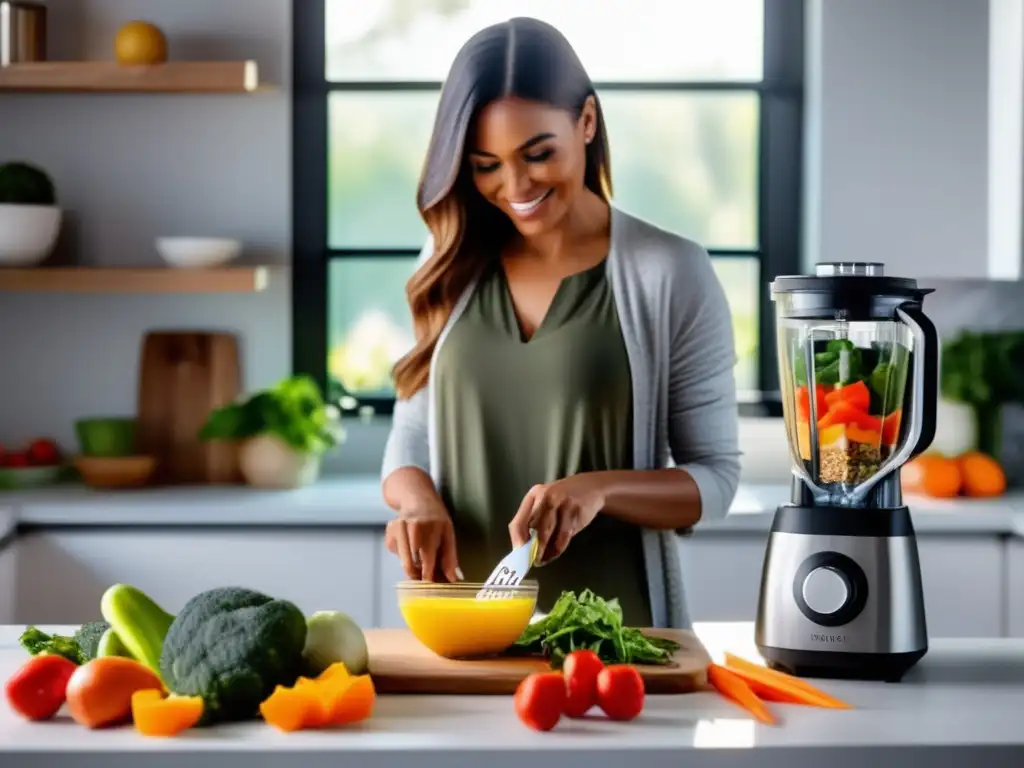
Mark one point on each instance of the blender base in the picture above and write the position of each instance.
(877, 667)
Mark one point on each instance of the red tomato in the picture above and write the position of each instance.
(580, 670)
(39, 687)
(43, 453)
(16, 459)
(540, 700)
(620, 692)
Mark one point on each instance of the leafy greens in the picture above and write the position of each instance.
(591, 622)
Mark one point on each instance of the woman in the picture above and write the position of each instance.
(573, 370)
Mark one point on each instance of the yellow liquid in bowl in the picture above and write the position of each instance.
(465, 627)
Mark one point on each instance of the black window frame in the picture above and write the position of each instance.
(780, 169)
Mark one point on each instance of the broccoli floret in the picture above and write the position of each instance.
(232, 647)
(37, 642)
(88, 637)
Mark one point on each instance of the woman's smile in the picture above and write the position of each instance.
(528, 207)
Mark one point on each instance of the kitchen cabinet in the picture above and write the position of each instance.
(62, 574)
(722, 574)
(389, 574)
(1015, 587)
(964, 587)
(8, 581)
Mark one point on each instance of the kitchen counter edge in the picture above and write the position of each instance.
(355, 501)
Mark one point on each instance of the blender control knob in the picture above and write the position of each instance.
(826, 590)
(830, 589)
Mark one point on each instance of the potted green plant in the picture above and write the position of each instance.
(983, 371)
(283, 432)
(29, 216)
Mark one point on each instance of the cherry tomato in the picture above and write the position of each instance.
(620, 692)
(39, 688)
(580, 670)
(540, 700)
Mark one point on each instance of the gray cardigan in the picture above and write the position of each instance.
(678, 333)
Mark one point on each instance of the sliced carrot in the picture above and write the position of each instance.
(789, 686)
(734, 687)
(157, 715)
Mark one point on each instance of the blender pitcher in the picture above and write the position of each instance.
(853, 391)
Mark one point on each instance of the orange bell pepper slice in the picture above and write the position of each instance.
(846, 413)
(333, 698)
(856, 394)
(891, 427)
(154, 714)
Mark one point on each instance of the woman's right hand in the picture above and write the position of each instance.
(424, 540)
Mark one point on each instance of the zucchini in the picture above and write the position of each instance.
(139, 623)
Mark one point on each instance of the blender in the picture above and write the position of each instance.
(841, 592)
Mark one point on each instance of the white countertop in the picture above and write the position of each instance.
(962, 705)
(355, 500)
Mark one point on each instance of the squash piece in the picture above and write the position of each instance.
(354, 701)
(335, 671)
(791, 687)
(292, 709)
(156, 715)
(735, 688)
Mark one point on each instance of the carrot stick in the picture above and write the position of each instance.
(789, 686)
(733, 687)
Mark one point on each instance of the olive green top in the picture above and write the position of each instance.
(513, 413)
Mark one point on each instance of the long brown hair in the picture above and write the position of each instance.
(523, 58)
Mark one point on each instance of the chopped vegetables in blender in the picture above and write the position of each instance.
(858, 398)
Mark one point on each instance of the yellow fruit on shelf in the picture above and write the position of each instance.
(139, 43)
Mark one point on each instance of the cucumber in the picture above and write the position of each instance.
(139, 623)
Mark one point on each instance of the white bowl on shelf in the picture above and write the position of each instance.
(28, 233)
(197, 252)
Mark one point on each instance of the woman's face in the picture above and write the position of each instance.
(528, 159)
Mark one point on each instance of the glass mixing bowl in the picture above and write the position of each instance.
(453, 622)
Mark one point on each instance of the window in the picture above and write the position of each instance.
(702, 100)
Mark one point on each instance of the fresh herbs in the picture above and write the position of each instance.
(593, 623)
(983, 370)
(293, 410)
(79, 648)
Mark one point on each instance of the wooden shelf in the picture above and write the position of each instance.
(133, 280)
(111, 77)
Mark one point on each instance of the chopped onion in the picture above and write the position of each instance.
(332, 637)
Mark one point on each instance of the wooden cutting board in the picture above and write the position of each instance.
(183, 376)
(400, 664)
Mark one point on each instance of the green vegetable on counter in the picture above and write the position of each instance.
(37, 643)
(332, 637)
(89, 636)
(591, 622)
(82, 646)
(232, 647)
(139, 623)
(110, 645)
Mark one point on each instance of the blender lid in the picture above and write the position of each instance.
(856, 290)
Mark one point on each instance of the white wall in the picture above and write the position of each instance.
(897, 114)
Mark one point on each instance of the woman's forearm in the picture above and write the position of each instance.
(408, 489)
(663, 499)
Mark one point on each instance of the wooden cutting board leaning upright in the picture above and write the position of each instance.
(183, 376)
(399, 663)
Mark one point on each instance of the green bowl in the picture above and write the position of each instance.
(18, 478)
(109, 437)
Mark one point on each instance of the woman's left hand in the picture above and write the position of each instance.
(557, 511)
